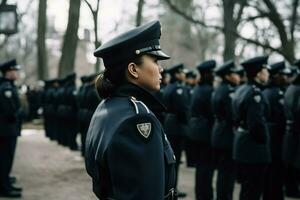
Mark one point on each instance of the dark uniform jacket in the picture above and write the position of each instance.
(291, 143)
(127, 153)
(251, 139)
(276, 120)
(175, 98)
(222, 133)
(88, 100)
(201, 120)
(10, 121)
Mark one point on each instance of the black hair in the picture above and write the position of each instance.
(112, 77)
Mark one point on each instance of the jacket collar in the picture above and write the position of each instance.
(132, 90)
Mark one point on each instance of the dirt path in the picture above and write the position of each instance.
(48, 171)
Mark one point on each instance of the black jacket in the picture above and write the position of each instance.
(127, 153)
(10, 120)
(250, 110)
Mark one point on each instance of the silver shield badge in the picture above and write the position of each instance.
(144, 129)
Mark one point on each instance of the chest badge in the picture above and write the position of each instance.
(8, 94)
(257, 98)
(144, 129)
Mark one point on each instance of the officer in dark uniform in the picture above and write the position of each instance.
(88, 100)
(10, 123)
(50, 108)
(274, 94)
(59, 115)
(175, 98)
(127, 153)
(200, 127)
(291, 155)
(190, 81)
(70, 111)
(222, 132)
(251, 147)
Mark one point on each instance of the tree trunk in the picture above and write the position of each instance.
(67, 60)
(139, 15)
(97, 42)
(229, 27)
(41, 41)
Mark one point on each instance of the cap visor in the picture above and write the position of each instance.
(160, 55)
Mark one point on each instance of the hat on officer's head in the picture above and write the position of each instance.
(254, 65)
(175, 69)
(227, 68)
(138, 41)
(190, 74)
(277, 68)
(9, 65)
(297, 63)
(207, 65)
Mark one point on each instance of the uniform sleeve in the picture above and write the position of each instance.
(181, 104)
(256, 120)
(8, 107)
(136, 160)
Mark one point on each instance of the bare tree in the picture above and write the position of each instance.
(266, 9)
(41, 41)
(97, 42)
(67, 60)
(139, 14)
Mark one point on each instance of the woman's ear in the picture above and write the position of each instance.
(132, 70)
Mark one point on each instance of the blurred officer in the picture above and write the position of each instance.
(127, 153)
(175, 98)
(251, 148)
(49, 108)
(70, 111)
(190, 81)
(159, 94)
(274, 94)
(88, 100)
(222, 132)
(10, 123)
(200, 130)
(59, 115)
(291, 147)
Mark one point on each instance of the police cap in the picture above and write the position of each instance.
(254, 65)
(277, 68)
(297, 63)
(175, 69)
(138, 41)
(207, 65)
(190, 74)
(227, 68)
(9, 65)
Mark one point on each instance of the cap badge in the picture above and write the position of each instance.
(137, 52)
(257, 98)
(144, 129)
(179, 91)
(8, 94)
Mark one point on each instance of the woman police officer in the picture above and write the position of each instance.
(127, 153)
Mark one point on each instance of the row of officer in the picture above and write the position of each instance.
(66, 111)
(10, 123)
(234, 127)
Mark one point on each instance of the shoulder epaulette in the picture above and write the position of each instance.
(139, 106)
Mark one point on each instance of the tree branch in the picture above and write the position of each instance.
(190, 18)
(276, 19)
(3, 2)
(294, 18)
(257, 43)
(89, 5)
(240, 12)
